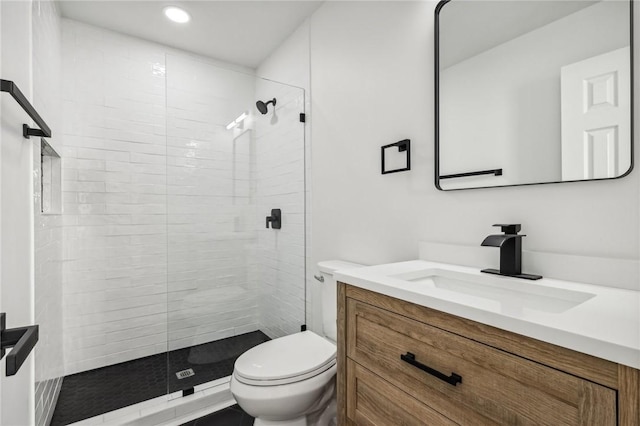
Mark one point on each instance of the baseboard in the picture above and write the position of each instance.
(169, 410)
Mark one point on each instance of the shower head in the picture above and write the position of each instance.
(262, 107)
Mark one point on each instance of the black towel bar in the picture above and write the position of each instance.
(495, 172)
(21, 339)
(44, 131)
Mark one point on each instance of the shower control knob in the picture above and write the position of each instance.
(275, 219)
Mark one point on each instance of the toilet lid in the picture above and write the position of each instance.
(286, 358)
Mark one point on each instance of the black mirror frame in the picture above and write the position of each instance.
(437, 176)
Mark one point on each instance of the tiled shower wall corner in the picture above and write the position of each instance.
(47, 227)
(280, 184)
(156, 186)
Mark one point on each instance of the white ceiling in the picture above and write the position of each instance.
(239, 32)
(468, 28)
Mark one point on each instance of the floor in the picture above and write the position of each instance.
(99, 391)
(232, 416)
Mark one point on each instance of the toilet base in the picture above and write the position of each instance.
(326, 417)
(300, 421)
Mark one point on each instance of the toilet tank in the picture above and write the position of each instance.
(330, 295)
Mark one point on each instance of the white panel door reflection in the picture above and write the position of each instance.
(596, 137)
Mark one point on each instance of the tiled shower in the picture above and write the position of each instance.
(167, 174)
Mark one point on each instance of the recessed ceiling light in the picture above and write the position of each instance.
(177, 15)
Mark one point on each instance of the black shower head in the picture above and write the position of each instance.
(262, 107)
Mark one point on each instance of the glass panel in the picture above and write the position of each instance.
(279, 163)
(232, 284)
(114, 298)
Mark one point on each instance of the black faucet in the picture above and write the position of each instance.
(510, 244)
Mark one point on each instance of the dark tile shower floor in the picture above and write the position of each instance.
(91, 393)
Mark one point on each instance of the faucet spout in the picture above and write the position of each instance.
(498, 240)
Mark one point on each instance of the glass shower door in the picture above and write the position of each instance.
(232, 283)
(280, 184)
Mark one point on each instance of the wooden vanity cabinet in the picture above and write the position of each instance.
(404, 364)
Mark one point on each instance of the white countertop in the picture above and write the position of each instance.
(607, 325)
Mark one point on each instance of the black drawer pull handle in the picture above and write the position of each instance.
(453, 379)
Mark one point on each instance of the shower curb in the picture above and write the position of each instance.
(169, 410)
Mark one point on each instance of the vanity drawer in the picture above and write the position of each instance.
(497, 388)
(374, 401)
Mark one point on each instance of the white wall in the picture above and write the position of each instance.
(47, 59)
(1, 258)
(372, 84)
(289, 63)
(16, 245)
(517, 84)
(31, 242)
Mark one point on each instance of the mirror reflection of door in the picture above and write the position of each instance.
(596, 97)
(540, 90)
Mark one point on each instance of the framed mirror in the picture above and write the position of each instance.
(531, 92)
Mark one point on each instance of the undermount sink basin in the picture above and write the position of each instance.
(511, 294)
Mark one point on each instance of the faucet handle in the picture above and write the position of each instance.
(509, 228)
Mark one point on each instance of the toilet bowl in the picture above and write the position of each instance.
(290, 381)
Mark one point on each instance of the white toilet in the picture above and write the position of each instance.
(290, 381)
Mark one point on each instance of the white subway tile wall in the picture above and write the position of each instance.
(163, 205)
(114, 195)
(47, 227)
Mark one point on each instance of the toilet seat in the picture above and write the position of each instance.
(285, 360)
(285, 381)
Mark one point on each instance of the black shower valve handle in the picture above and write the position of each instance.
(275, 219)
